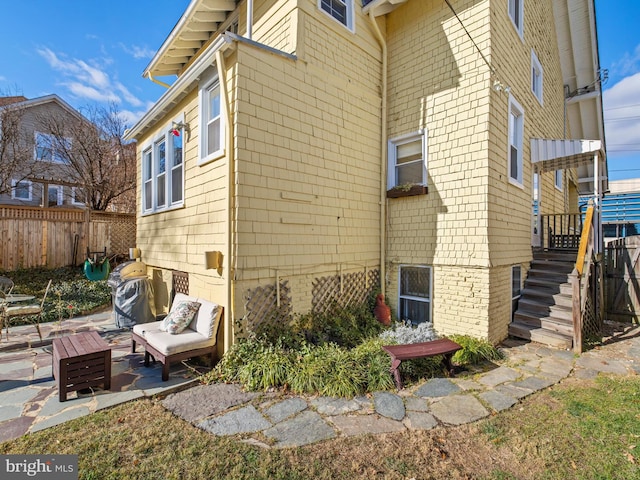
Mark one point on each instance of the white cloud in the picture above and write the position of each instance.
(138, 52)
(628, 64)
(622, 121)
(89, 80)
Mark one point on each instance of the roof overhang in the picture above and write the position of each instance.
(200, 21)
(548, 155)
(180, 88)
(575, 22)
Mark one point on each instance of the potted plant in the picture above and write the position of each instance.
(407, 190)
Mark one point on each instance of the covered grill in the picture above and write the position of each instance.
(132, 294)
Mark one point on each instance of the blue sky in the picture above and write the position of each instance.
(89, 51)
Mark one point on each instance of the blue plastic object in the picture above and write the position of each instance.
(98, 270)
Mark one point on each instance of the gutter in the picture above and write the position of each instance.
(383, 153)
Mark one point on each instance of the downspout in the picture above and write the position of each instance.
(250, 19)
(383, 154)
(230, 257)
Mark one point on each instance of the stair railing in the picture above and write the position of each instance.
(584, 284)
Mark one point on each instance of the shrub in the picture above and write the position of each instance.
(346, 327)
(474, 350)
(403, 333)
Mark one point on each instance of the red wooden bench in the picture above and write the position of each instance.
(398, 353)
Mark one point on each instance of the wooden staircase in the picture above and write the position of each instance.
(544, 312)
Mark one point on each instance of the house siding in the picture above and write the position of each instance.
(473, 224)
(308, 160)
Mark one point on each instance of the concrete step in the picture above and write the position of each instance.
(540, 335)
(546, 322)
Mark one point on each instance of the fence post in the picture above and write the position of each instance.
(576, 311)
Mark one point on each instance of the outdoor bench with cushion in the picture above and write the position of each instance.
(398, 353)
(189, 330)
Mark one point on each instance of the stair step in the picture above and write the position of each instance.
(546, 322)
(553, 266)
(569, 256)
(549, 286)
(545, 297)
(558, 277)
(559, 311)
(540, 335)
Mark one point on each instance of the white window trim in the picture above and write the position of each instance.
(54, 157)
(203, 106)
(514, 105)
(392, 145)
(519, 28)
(164, 134)
(351, 24)
(537, 66)
(13, 190)
(418, 299)
(557, 179)
(74, 194)
(59, 194)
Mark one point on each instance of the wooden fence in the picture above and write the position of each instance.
(622, 279)
(54, 237)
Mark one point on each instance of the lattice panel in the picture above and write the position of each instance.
(343, 290)
(180, 282)
(591, 322)
(262, 306)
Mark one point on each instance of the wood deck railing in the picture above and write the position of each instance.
(560, 231)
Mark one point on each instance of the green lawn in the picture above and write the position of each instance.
(578, 429)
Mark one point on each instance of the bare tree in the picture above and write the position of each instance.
(96, 158)
(16, 150)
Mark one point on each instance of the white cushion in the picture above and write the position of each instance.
(207, 318)
(142, 328)
(169, 344)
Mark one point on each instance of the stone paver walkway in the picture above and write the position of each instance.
(29, 400)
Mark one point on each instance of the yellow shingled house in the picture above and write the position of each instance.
(312, 151)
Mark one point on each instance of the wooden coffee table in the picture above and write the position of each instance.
(81, 361)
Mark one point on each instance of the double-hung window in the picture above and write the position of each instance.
(516, 14)
(516, 134)
(54, 194)
(22, 190)
(516, 282)
(407, 161)
(340, 10)
(212, 122)
(52, 149)
(78, 196)
(558, 179)
(536, 77)
(415, 294)
(163, 171)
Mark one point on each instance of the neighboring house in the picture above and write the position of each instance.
(621, 209)
(35, 172)
(311, 138)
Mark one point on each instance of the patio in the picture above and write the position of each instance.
(29, 395)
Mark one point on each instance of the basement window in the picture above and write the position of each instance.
(415, 294)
